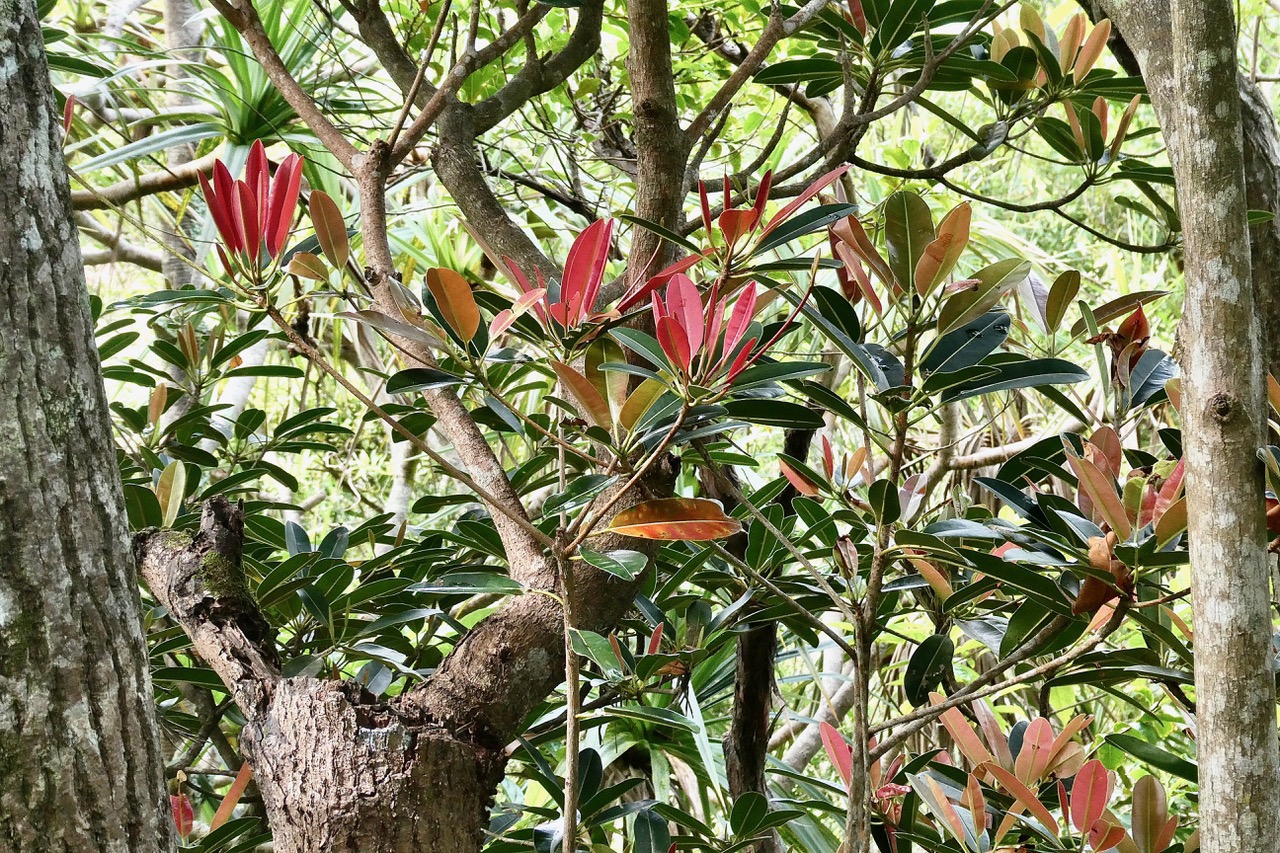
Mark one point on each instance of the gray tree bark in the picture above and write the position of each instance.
(1142, 41)
(80, 761)
(1224, 424)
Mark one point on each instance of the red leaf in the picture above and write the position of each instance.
(1104, 835)
(256, 168)
(674, 342)
(838, 751)
(685, 519)
(735, 223)
(801, 483)
(1037, 750)
(762, 195)
(284, 201)
(245, 213)
(655, 640)
(584, 270)
(218, 210)
(706, 207)
(812, 190)
(743, 358)
(184, 816)
(739, 319)
(637, 293)
(1089, 795)
(66, 113)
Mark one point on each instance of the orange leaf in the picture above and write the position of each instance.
(1091, 49)
(1069, 44)
(588, 398)
(307, 265)
(802, 484)
(457, 304)
(1026, 798)
(232, 798)
(687, 519)
(963, 734)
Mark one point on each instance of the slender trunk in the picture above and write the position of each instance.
(1224, 425)
(80, 760)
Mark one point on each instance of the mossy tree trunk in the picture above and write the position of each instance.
(80, 761)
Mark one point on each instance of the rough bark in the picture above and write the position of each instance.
(1142, 42)
(1224, 424)
(80, 760)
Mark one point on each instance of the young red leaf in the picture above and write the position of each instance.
(638, 293)
(655, 640)
(1104, 835)
(1091, 49)
(685, 307)
(812, 190)
(457, 304)
(256, 167)
(685, 519)
(184, 816)
(801, 483)
(245, 213)
(858, 276)
(674, 342)
(838, 751)
(706, 207)
(1037, 750)
(67, 111)
(739, 319)
(284, 201)
(762, 196)
(735, 223)
(234, 793)
(1089, 795)
(584, 270)
(962, 733)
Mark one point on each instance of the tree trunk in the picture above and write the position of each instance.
(1142, 42)
(80, 761)
(1224, 425)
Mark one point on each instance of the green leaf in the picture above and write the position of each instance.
(1019, 373)
(901, 19)
(993, 282)
(748, 813)
(774, 413)
(1155, 756)
(908, 229)
(928, 664)
(420, 379)
(627, 565)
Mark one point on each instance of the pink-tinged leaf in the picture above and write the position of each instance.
(589, 400)
(245, 213)
(838, 751)
(1069, 44)
(859, 276)
(1025, 797)
(962, 733)
(1076, 130)
(67, 112)
(1101, 490)
(851, 232)
(456, 302)
(942, 807)
(674, 342)
(184, 816)
(1150, 814)
(799, 481)
(1166, 834)
(1172, 521)
(1107, 443)
(1089, 795)
(584, 269)
(232, 798)
(976, 803)
(685, 307)
(1103, 835)
(284, 201)
(1036, 752)
(1122, 128)
(655, 640)
(828, 458)
(1076, 725)
(997, 742)
(1091, 49)
(813, 189)
(1101, 112)
(739, 319)
(676, 519)
(226, 187)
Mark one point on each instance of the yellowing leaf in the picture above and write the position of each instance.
(457, 304)
(639, 402)
(171, 488)
(686, 519)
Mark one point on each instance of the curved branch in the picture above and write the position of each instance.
(150, 183)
